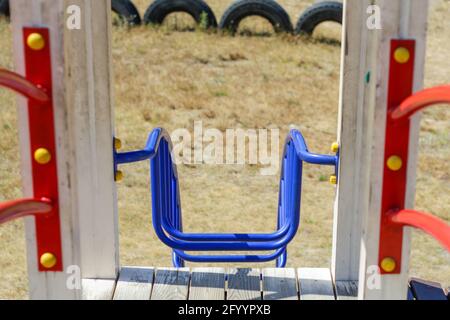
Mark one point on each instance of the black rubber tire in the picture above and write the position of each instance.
(124, 8)
(267, 9)
(126, 11)
(4, 8)
(318, 13)
(160, 9)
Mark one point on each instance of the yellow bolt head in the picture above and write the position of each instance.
(36, 41)
(333, 179)
(48, 260)
(402, 55)
(42, 156)
(335, 147)
(117, 143)
(388, 264)
(394, 163)
(119, 176)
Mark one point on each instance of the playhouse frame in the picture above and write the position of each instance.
(84, 128)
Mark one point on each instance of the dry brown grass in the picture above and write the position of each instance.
(170, 79)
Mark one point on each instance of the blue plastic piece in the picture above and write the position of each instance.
(166, 208)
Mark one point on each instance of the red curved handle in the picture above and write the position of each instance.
(426, 222)
(420, 100)
(21, 85)
(15, 209)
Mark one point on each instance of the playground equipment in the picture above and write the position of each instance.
(268, 9)
(70, 161)
(124, 8)
(197, 9)
(166, 206)
(318, 13)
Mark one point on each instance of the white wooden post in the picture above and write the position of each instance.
(362, 123)
(351, 195)
(82, 91)
(401, 19)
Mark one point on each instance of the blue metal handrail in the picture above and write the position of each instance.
(166, 209)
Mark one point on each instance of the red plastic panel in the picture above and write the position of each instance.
(401, 77)
(426, 222)
(21, 85)
(420, 100)
(15, 209)
(38, 70)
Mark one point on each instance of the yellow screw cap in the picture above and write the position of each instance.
(401, 55)
(48, 260)
(388, 264)
(119, 176)
(42, 156)
(394, 163)
(36, 41)
(335, 147)
(333, 179)
(117, 143)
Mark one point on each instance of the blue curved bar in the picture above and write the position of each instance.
(231, 258)
(166, 209)
(160, 205)
(149, 152)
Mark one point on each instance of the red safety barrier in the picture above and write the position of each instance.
(421, 100)
(430, 224)
(15, 209)
(21, 85)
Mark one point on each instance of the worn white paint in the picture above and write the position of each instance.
(81, 72)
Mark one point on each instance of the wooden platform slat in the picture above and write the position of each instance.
(134, 284)
(140, 283)
(347, 290)
(279, 284)
(98, 289)
(244, 284)
(207, 284)
(315, 284)
(171, 284)
(427, 290)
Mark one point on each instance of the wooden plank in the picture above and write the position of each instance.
(315, 284)
(89, 115)
(171, 284)
(83, 135)
(353, 117)
(427, 290)
(279, 284)
(98, 289)
(244, 284)
(404, 20)
(207, 284)
(135, 283)
(347, 290)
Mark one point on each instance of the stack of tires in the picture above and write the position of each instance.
(236, 12)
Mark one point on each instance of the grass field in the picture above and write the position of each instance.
(171, 79)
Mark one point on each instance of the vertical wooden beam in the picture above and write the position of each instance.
(81, 75)
(361, 130)
(354, 149)
(402, 19)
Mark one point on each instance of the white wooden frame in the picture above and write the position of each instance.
(362, 122)
(84, 130)
(82, 91)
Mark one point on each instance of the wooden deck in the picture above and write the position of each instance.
(142, 283)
